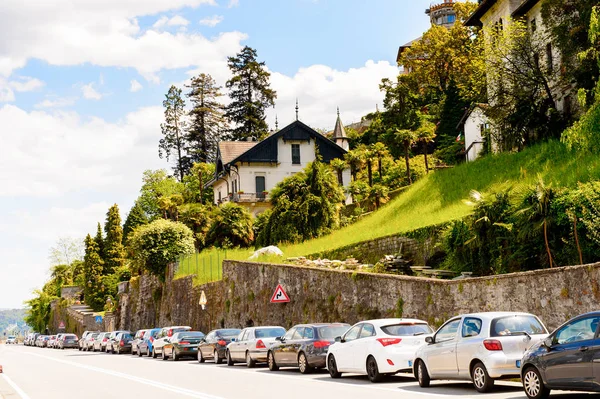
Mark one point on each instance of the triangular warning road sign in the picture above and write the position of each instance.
(279, 296)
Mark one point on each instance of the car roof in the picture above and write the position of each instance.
(493, 315)
(257, 327)
(322, 325)
(385, 322)
(177, 327)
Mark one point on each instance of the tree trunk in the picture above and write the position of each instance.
(577, 239)
(370, 172)
(425, 154)
(178, 148)
(547, 245)
(340, 178)
(407, 164)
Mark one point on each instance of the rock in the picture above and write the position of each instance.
(270, 250)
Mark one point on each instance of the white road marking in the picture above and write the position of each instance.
(14, 386)
(166, 387)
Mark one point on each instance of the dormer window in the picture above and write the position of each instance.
(295, 154)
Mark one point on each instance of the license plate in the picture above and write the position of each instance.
(518, 364)
(410, 363)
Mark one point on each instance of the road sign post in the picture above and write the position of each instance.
(280, 296)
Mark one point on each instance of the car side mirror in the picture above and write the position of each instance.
(548, 342)
(338, 339)
(280, 339)
(233, 339)
(429, 340)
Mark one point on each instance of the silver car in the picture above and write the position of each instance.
(480, 347)
(100, 342)
(88, 342)
(252, 344)
(138, 337)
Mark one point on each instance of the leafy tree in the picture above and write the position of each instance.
(38, 310)
(305, 205)
(260, 225)
(198, 218)
(339, 165)
(195, 182)
(452, 108)
(407, 137)
(207, 122)
(425, 135)
(157, 184)
(65, 251)
(173, 131)
(231, 227)
(354, 159)
(114, 252)
(159, 243)
(170, 206)
(367, 156)
(99, 238)
(93, 267)
(136, 217)
(250, 94)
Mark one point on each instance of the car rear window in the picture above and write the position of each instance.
(191, 335)
(515, 325)
(70, 337)
(330, 332)
(269, 332)
(404, 329)
(228, 333)
(11, 337)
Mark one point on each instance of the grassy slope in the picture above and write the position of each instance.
(440, 196)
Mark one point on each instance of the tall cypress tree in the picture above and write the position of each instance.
(136, 217)
(100, 240)
(114, 252)
(173, 131)
(92, 270)
(250, 93)
(207, 121)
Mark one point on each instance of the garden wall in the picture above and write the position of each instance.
(242, 297)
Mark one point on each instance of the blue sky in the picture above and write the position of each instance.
(82, 82)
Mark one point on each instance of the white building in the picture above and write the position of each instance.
(473, 126)
(247, 171)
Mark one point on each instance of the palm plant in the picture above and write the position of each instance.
(407, 137)
(354, 158)
(380, 151)
(367, 156)
(425, 135)
(339, 165)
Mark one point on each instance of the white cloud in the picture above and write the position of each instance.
(58, 102)
(90, 93)
(21, 84)
(106, 33)
(177, 20)
(135, 86)
(233, 3)
(212, 21)
(321, 89)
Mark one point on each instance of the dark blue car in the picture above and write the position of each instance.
(569, 359)
(145, 346)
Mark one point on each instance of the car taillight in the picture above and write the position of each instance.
(389, 341)
(260, 344)
(151, 339)
(492, 344)
(170, 332)
(184, 343)
(105, 339)
(122, 343)
(222, 343)
(321, 344)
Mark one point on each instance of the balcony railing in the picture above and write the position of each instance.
(246, 197)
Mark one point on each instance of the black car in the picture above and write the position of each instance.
(122, 343)
(111, 343)
(214, 345)
(567, 360)
(304, 346)
(182, 344)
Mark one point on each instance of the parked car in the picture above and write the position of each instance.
(214, 345)
(182, 344)
(304, 346)
(377, 348)
(11, 340)
(252, 344)
(81, 340)
(68, 341)
(145, 346)
(566, 360)
(163, 336)
(111, 343)
(51, 341)
(32, 339)
(42, 341)
(28, 339)
(480, 347)
(122, 343)
(137, 338)
(88, 342)
(58, 339)
(100, 342)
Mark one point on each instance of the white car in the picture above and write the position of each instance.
(164, 336)
(377, 348)
(478, 347)
(252, 345)
(11, 340)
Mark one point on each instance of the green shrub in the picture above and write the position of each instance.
(231, 227)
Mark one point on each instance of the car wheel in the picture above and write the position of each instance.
(149, 352)
(80, 348)
(303, 365)
(249, 361)
(332, 367)
(481, 379)
(174, 356)
(423, 375)
(139, 353)
(154, 355)
(216, 357)
(271, 362)
(200, 357)
(229, 359)
(534, 385)
(164, 355)
(373, 371)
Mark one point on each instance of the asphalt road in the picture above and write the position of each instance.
(35, 373)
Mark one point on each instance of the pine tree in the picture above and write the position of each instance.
(114, 252)
(173, 130)
(100, 240)
(207, 121)
(250, 93)
(135, 218)
(92, 269)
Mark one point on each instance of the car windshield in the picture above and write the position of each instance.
(407, 329)
(330, 332)
(11, 337)
(228, 333)
(269, 332)
(516, 325)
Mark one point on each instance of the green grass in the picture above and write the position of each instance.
(206, 266)
(440, 196)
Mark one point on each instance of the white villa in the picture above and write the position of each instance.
(473, 125)
(247, 171)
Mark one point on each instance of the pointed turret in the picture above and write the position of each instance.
(339, 133)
